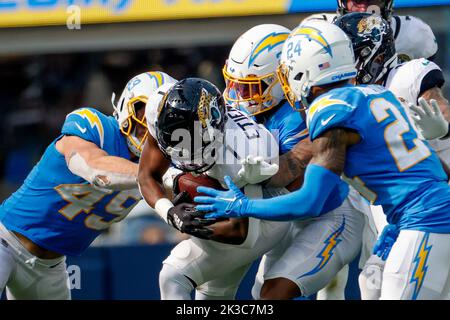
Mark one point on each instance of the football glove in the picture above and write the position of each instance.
(385, 242)
(429, 119)
(255, 170)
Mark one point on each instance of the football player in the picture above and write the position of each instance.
(251, 84)
(415, 81)
(414, 39)
(84, 182)
(364, 134)
(191, 127)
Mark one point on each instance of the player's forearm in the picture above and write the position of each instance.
(322, 191)
(151, 188)
(292, 165)
(104, 171)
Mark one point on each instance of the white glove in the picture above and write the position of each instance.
(255, 170)
(429, 119)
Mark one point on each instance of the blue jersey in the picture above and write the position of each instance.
(60, 211)
(390, 166)
(287, 125)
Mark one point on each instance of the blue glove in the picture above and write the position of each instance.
(230, 203)
(385, 241)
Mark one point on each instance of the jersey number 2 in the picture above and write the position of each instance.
(393, 135)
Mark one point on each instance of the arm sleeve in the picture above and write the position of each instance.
(322, 191)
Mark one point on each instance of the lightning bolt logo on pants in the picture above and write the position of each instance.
(421, 267)
(328, 250)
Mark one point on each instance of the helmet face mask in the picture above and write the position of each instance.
(253, 92)
(191, 123)
(129, 124)
(380, 7)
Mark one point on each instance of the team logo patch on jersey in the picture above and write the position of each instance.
(269, 42)
(323, 103)
(421, 267)
(93, 120)
(315, 35)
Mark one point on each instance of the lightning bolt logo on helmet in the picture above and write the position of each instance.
(313, 34)
(269, 42)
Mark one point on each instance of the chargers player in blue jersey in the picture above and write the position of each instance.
(363, 134)
(84, 182)
(412, 82)
(290, 269)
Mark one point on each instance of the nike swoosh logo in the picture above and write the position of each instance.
(324, 122)
(83, 130)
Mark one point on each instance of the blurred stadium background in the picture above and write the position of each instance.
(47, 70)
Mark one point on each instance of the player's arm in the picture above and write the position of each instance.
(322, 191)
(152, 166)
(292, 165)
(93, 164)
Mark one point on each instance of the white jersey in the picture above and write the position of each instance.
(414, 38)
(405, 81)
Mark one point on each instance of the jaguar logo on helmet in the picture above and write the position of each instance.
(370, 25)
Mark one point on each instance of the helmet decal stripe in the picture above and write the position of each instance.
(157, 77)
(268, 42)
(315, 35)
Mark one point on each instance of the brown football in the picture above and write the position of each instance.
(189, 183)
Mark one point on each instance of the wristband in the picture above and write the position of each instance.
(162, 207)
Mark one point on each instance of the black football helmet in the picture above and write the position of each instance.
(381, 7)
(373, 43)
(190, 124)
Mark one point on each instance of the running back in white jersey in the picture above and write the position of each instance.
(414, 38)
(409, 80)
(243, 137)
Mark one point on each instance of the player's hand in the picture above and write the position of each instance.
(230, 203)
(255, 170)
(429, 119)
(385, 242)
(185, 218)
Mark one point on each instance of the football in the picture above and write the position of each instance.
(189, 183)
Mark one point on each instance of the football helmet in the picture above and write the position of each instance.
(381, 7)
(373, 44)
(316, 53)
(134, 97)
(249, 72)
(190, 124)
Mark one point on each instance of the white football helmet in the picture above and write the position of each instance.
(316, 53)
(250, 70)
(134, 97)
